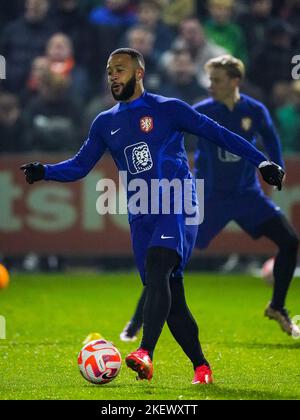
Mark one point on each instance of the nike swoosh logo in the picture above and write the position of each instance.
(167, 237)
(115, 131)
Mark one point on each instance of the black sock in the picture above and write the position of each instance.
(159, 266)
(183, 326)
(284, 269)
(283, 235)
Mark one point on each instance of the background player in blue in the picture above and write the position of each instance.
(232, 189)
(144, 134)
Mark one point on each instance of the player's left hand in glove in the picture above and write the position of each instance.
(33, 172)
(272, 173)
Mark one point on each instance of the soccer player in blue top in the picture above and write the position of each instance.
(144, 134)
(232, 189)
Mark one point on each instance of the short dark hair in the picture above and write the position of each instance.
(134, 54)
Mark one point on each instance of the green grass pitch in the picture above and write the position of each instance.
(48, 316)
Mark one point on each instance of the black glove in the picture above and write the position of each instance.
(33, 172)
(272, 173)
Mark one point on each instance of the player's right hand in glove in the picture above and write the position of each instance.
(33, 172)
(272, 173)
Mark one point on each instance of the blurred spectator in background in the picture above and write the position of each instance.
(23, 40)
(39, 68)
(59, 51)
(101, 102)
(86, 6)
(148, 15)
(281, 93)
(53, 117)
(111, 21)
(12, 130)
(288, 118)
(254, 23)
(180, 79)
(76, 37)
(192, 37)
(221, 28)
(113, 13)
(71, 21)
(142, 39)
(175, 11)
(272, 62)
(289, 10)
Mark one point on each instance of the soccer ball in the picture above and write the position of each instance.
(99, 361)
(4, 277)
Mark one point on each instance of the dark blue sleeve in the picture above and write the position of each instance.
(82, 163)
(189, 120)
(269, 136)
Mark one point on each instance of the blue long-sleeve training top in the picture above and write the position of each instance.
(145, 138)
(223, 172)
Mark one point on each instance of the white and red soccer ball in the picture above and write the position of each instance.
(99, 361)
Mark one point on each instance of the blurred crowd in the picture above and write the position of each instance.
(56, 53)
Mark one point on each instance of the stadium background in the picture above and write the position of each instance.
(56, 53)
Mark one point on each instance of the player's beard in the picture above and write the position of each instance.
(127, 92)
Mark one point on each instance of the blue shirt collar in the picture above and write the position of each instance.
(237, 105)
(140, 101)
